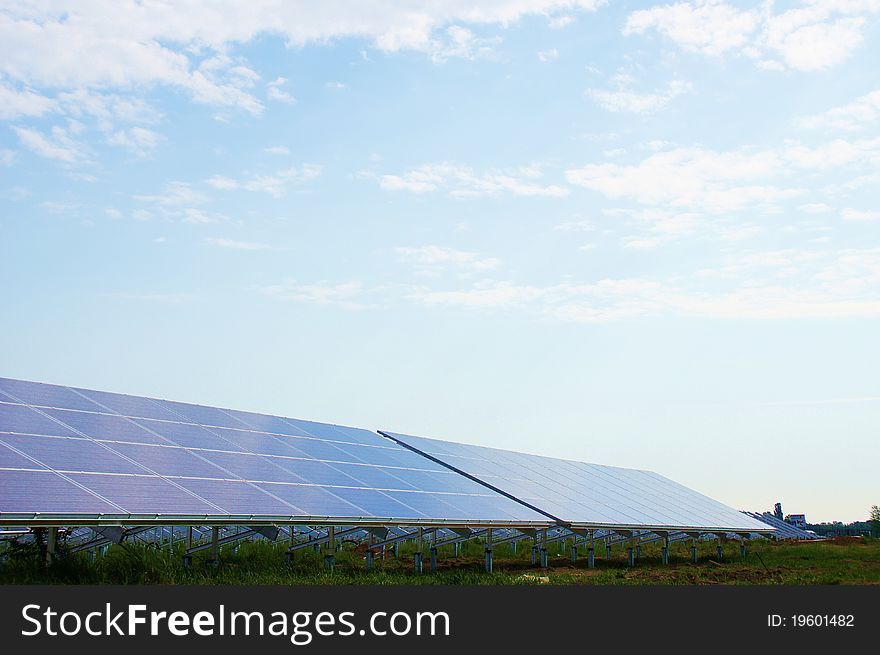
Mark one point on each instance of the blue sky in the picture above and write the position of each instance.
(626, 233)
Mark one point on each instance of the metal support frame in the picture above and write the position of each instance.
(488, 550)
(544, 562)
(664, 553)
(215, 546)
(693, 551)
(51, 544)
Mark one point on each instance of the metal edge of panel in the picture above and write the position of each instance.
(60, 520)
(473, 478)
(667, 528)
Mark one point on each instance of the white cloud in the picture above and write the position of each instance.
(815, 208)
(814, 36)
(275, 92)
(176, 194)
(275, 184)
(428, 258)
(58, 144)
(170, 298)
(689, 177)
(640, 243)
(575, 226)
(138, 140)
(712, 28)
(462, 181)
(6, 156)
(723, 181)
(862, 113)
(849, 214)
(758, 285)
(346, 294)
(624, 99)
(185, 45)
(25, 102)
(277, 150)
(232, 244)
(548, 55)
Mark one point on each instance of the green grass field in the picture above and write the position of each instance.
(840, 561)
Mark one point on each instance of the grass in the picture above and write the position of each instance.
(839, 561)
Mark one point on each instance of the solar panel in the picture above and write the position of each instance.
(73, 452)
(585, 495)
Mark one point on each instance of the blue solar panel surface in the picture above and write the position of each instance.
(75, 451)
(586, 494)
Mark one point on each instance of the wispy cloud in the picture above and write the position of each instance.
(755, 285)
(812, 37)
(624, 99)
(274, 91)
(430, 259)
(138, 140)
(462, 181)
(275, 184)
(277, 150)
(59, 144)
(862, 113)
(233, 244)
(347, 295)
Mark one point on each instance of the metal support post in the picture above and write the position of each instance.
(719, 550)
(417, 561)
(638, 552)
(665, 551)
(488, 551)
(215, 548)
(433, 561)
(607, 549)
(742, 548)
(574, 551)
(693, 551)
(394, 548)
(369, 559)
(544, 562)
(51, 543)
(630, 555)
(330, 557)
(456, 549)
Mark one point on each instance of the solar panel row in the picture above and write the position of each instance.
(67, 451)
(584, 495)
(75, 451)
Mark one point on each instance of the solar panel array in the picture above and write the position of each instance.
(783, 530)
(75, 452)
(587, 495)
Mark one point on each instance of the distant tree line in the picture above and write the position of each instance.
(871, 527)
